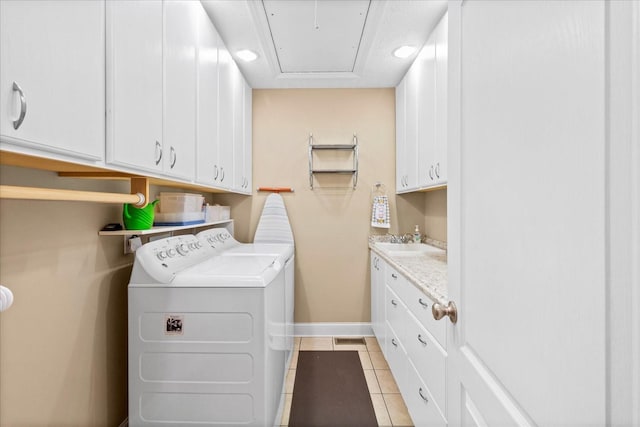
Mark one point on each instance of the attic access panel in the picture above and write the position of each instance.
(316, 36)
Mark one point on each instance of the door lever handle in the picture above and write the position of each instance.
(439, 311)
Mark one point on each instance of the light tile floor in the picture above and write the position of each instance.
(387, 402)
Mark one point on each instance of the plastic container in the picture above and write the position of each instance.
(179, 218)
(180, 203)
(217, 213)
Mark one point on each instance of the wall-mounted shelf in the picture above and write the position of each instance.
(353, 148)
(161, 230)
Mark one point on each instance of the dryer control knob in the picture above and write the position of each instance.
(161, 255)
(171, 253)
(182, 249)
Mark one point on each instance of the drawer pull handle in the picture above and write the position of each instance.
(450, 310)
(393, 341)
(422, 395)
(394, 303)
(424, 304)
(421, 340)
(394, 275)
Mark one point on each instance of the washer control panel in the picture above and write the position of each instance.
(163, 258)
(218, 238)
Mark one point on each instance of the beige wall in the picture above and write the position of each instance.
(330, 225)
(63, 357)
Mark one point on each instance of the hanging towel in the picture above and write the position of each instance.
(380, 212)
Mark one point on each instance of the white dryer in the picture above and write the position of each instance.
(273, 237)
(203, 334)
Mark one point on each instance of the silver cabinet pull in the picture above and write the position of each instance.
(23, 106)
(215, 172)
(431, 172)
(394, 303)
(422, 395)
(450, 310)
(394, 275)
(222, 174)
(421, 340)
(158, 153)
(393, 341)
(173, 156)
(438, 170)
(424, 304)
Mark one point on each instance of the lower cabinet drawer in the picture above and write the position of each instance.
(419, 400)
(420, 306)
(429, 360)
(396, 358)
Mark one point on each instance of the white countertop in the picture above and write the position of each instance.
(427, 271)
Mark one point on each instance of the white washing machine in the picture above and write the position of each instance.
(204, 334)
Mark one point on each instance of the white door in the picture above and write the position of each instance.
(527, 213)
(180, 71)
(53, 52)
(248, 138)
(425, 67)
(401, 119)
(238, 129)
(441, 52)
(134, 84)
(411, 127)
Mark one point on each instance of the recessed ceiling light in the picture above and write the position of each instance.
(404, 51)
(246, 55)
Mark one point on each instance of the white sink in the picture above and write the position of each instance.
(407, 249)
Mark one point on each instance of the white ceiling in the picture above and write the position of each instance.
(324, 43)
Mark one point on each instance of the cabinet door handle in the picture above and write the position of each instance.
(421, 340)
(394, 303)
(422, 395)
(394, 275)
(23, 106)
(158, 153)
(215, 172)
(393, 341)
(173, 156)
(431, 172)
(424, 304)
(438, 170)
(222, 173)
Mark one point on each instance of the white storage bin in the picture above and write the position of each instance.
(180, 202)
(217, 213)
(179, 218)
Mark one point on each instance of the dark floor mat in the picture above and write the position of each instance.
(330, 390)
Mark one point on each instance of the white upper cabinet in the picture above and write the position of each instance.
(180, 72)
(207, 171)
(134, 84)
(421, 117)
(52, 60)
(242, 135)
(226, 93)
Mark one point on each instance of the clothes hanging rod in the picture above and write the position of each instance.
(32, 193)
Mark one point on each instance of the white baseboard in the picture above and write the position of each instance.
(125, 423)
(333, 329)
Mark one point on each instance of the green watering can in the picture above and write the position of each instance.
(138, 218)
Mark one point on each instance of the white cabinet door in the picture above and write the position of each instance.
(180, 43)
(207, 170)
(410, 158)
(248, 138)
(425, 67)
(441, 85)
(225, 118)
(134, 84)
(238, 129)
(527, 249)
(54, 53)
(401, 117)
